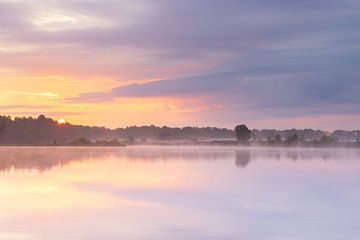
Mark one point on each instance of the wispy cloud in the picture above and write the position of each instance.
(32, 94)
(24, 106)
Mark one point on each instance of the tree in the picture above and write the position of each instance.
(293, 139)
(2, 130)
(164, 136)
(328, 140)
(81, 142)
(243, 133)
(278, 138)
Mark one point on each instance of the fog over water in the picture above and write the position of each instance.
(172, 192)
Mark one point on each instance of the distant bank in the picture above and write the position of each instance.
(43, 131)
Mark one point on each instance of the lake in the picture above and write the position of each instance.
(179, 193)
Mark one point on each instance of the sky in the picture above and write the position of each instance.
(116, 63)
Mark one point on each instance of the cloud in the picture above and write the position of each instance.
(35, 94)
(170, 31)
(253, 57)
(47, 113)
(24, 106)
(266, 81)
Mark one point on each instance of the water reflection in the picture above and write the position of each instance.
(242, 158)
(46, 158)
(179, 193)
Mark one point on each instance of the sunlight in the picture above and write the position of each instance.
(61, 121)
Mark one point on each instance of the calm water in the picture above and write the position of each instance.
(179, 193)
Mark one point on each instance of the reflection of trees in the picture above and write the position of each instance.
(303, 154)
(154, 153)
(243, 158)
(45, 158)
(293, 155)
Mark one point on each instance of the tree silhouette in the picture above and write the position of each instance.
(293, 139)
(243, 133)
(277, 138)
(2, 130)
(164, 136)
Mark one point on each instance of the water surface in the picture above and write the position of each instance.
(73, 193)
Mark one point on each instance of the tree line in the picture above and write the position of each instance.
(293, 137)
(44, 130)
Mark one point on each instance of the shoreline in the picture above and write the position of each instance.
(194, 144)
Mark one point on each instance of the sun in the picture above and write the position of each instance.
(61, 121)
